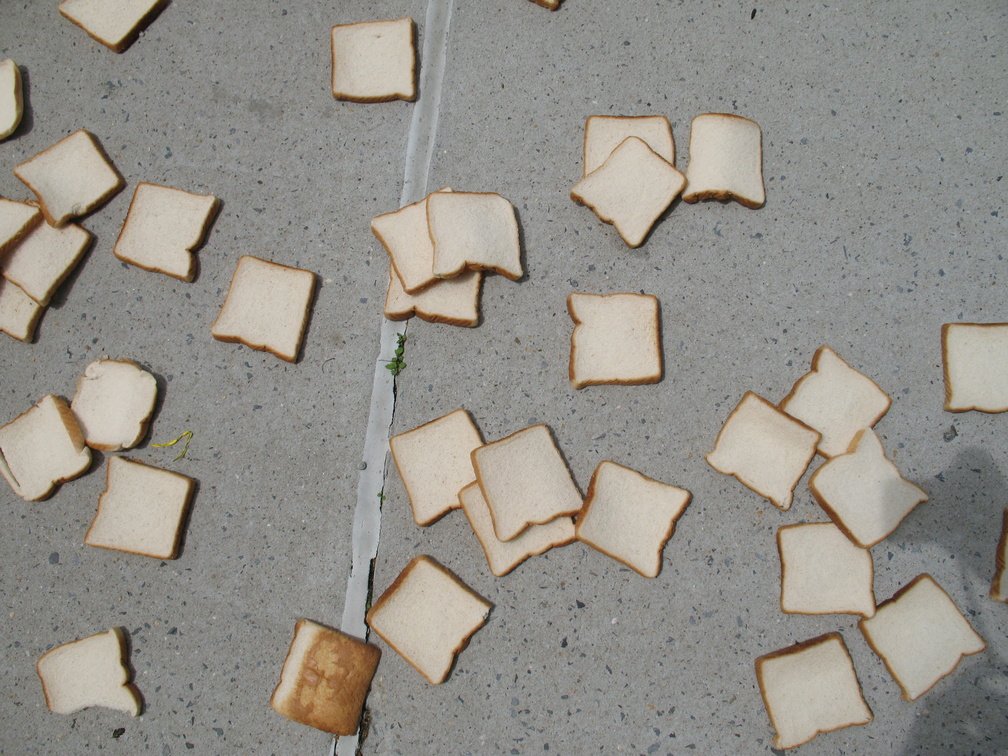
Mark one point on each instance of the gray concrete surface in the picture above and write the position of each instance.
(884, 153)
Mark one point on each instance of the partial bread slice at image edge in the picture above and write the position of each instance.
(114, 23)
(11, 102)
(975, 366)
(999, 584)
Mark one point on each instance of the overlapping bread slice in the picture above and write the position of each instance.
(725, 160)
(19, 313)
(975, 359)
(374, 61)
(473, 231)
(616, 339)
(11, 98)
(999, 584)
(17, 219)
(823, 572)
(113, 404)
(44, 258)
(114, 23)
(405, 235)
(603, 134)
(91, 671)
(452, 301)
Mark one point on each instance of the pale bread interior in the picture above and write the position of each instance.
(11, 99)
(475, 231)
(91, 671)
(603, 134)
(975, 356)
(823, 572)
(16, 220)
(454, 301)
(44, 258)
(725, 160)
(114, 23)
(616, 339)
(19, 313)
(113, 404)
(406, 237)
(374, 61)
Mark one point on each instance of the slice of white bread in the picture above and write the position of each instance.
(266, 307)
(435, 463)
(452, 301)
(17, 219)
(863, 492)
(725, 160)
(427, 615)
(113, 404)
(525, 481)
(504, 556)
(163, 227)
(71, 178)
(91, 671)
(616, 339)
(551, 4)
(631, 189)
(475, 231)
(114, 23)
(764, 448)
(42, 448)
(810, 688)
(325, 679)
(999, 584)
(19, 313)
(11, 98)
(44, 259)
(836, 400)
(629, 516)
(975, 359)
(921, 635)
(603, 134)
(822, 572)
(374, 61)
(406, 237)
(141, 510)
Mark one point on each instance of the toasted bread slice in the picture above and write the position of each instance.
(11, 98)
(406, 237)
(17, 219)
(999, 585)
(473, 231)
(91, 671)
(113, 404)
(452, 301)
(975, 358)
(822, 572)
(374, 61)
(19, 313)
(44, 259)
(616, 339)
(603, 134)
(114, 23)
(551, 4)
(725, 160)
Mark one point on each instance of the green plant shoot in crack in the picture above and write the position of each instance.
(397, 365)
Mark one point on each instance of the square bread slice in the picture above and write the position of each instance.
(764, 448)
(42, 448)
(616, 339)
(920, 635)
(114, 23)
(999, 585)
(44, 259)
(822, 572)
(435, 463)
(525, 481)
(504, 556)
(725, 160)
(474, 231)
(631, 189)
(19, 313)
(11, 98)
(452, 301)
(810, 688)
(975, 359)
(406, 237)
(374, 61)
(266, 307)
(17, 219)
(162, 229)
(629, 516)
(71, 178)
(325, 679)
(603, 134)
(863, 492)
(113, 404)
(427, 615)
(92, 671)
(141, 510)
(836, 400)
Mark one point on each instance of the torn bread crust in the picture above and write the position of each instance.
(999, 585)
(451, 301)
(114, 23)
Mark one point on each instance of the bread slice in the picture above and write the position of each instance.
(114, 23)
(863, 492)
(810, 688)
(44, 259)
(452, 301)
(921, 635)
(163, 227)
(406, 237)
(42, 448)
(325, 679)
(71, 178)
(141, 510)
(836, 400)
(725, 160)
(975, 359)
(822, 572)
(11, 98)
(17, 219)
(434, 462)
(999, 585)
(765, 449)
(91, 671)
(19, 313)
(475, 231)
(616, 339)
(113, 404)
(629, 516)
(374, 61)
(525, 481)
(427, 615)
(551, 4)
(631, 189)
(266, 307)
(504, 556)
(603, 134)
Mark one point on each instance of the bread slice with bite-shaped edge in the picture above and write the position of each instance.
(823, 572)
(374, 61)
(810, 688)
(406, 237)
(975, 359)
(325, 679)
(603, 134)
(725, 160)
(17, 219)
(163, 227)
(42, 448)
(19, 313)
(920, 635)
(113, 404)
(11, 98)
(999, 585)
(630, 517)
(765, 449)
(71, 178)
(836, 400)
(863, 492)
(91, 671)
(452, 301)
(473, 231)
(114, 23)
(428, 615)
(44, 258)
(631, 189)
(616, 339)
(525, 481)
